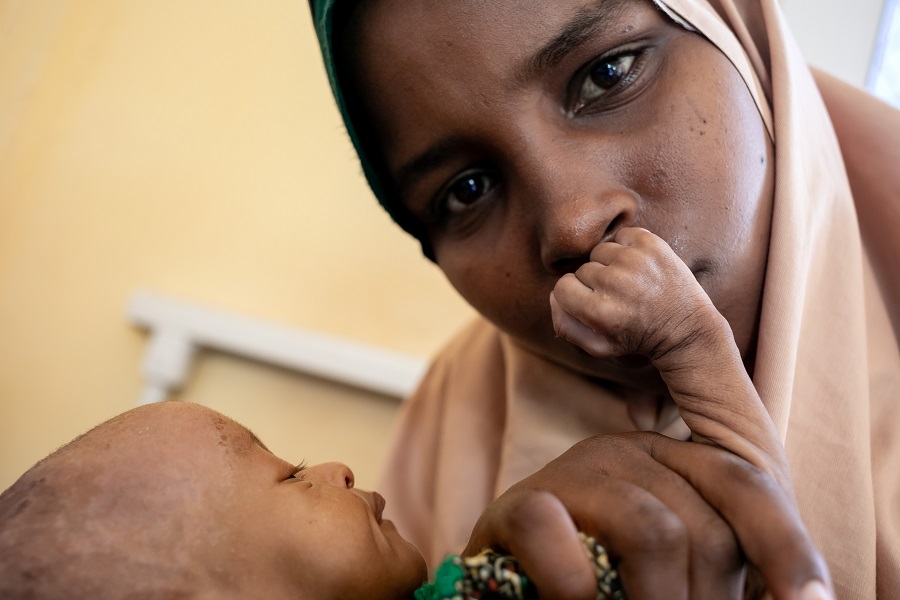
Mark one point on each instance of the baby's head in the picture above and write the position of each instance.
(176, 500)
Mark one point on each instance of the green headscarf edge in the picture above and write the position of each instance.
(323, 22)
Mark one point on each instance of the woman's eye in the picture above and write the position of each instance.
(466, 191)
(605, 75)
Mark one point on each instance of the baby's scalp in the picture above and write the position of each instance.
(103, 515)
(177, 499)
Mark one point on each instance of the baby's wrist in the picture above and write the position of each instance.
(702, 335)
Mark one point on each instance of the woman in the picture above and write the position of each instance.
(511, 139)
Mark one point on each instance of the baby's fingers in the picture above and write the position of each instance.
(572, 330)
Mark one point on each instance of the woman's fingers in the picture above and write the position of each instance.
(667, 541)
(671, 513)
(767, 524)
(534, 526)
(716, 565)
(648, 540)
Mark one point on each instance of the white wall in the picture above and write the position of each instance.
(837, 36)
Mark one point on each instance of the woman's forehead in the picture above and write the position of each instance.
(469, 53)
(423, 26)
(465, 54)
(460, 60)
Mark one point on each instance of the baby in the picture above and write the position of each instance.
(175, 500)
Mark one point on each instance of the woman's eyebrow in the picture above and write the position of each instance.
(429, 160)
(571, 35)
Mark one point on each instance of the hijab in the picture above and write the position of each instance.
(827, 363)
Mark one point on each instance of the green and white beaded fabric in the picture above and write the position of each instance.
(493, 576)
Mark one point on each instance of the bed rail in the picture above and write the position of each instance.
(177, 329)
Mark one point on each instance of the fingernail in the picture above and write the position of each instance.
(815, 590)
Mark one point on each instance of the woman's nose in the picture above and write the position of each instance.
(333, 473)
(572, 222)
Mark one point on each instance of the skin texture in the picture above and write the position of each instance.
(528, 156)
(199, 497)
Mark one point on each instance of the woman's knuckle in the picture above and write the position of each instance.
(660, 531)
(715, 545)
(530, 508)
(741, 473)
(614, 445)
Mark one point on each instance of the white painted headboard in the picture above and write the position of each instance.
(178, 328)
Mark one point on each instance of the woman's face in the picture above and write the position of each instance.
(522, 134)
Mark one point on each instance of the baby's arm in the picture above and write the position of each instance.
(636, 296)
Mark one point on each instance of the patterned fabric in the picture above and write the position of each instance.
(493, 576)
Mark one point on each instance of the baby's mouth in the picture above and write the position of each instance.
(373, 500)
(379, 505)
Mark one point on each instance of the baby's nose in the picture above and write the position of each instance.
(333, 473)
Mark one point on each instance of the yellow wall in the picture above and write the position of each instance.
(190, 148)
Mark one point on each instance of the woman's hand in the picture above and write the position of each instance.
(680, 518)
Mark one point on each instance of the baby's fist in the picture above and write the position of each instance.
(635, 296)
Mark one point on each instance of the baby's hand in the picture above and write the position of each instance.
(635, 296)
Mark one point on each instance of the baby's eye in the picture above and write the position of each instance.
(297, 471)
(466, 191)
(605, 75)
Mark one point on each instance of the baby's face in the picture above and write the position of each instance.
(315, 530)
(252, 523)
(522, 134)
